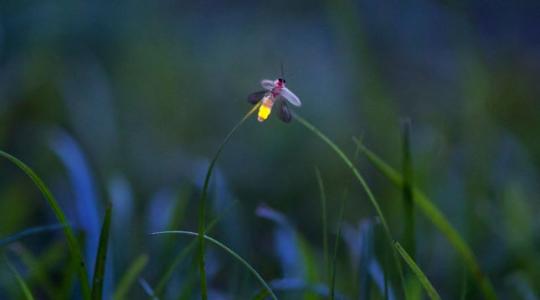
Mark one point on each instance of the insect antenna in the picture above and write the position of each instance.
(282, 72)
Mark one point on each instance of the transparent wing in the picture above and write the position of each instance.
(284, 113)
(267, 84)
(254, 98)
(291, 97)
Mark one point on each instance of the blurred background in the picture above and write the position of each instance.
(127, 101)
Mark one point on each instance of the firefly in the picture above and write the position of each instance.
(274, 91)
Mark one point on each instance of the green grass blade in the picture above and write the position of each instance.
(324, 225)
(101, 256)
(364, 185)
(349, 164)
(202, 201)
(73, 245)
(409, 235)
(336, 247)
(419, 274)
(130, 276)
(28, 232)
(37, 267)
(437, 218)
(22, 284)
(229, 251)
(180, 257)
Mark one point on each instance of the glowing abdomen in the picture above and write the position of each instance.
(266, 108)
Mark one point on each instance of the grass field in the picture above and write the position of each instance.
(133, 167)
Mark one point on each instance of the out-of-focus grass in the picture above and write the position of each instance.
(27, 232)
(74, 246)
(364, 185)
(130, 276)
(326, 266)
(408, 205)
(229, 251)
(437, 218)
(24, 287)
(99, 270)
(432, 293)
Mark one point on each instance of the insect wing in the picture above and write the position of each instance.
(284, 112)
(254, 98)
(267, 84)
(290, 96)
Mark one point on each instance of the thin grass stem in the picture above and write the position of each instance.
(364, 185)
(322, 191)
(229, 251)
(202, 201)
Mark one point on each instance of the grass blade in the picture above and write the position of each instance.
(24, 287)
(409, 235)
(419, 274)
(364, 185)
(28, 232)
(324, 224)
(129, 277)
(148, 289)
(99, 270)
(73, 245)
(336, 247)
(437, 218)
(180, 257)
(37, 269)
(228, 250)
(202, 201)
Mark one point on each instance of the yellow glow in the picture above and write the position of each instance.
(263, 113)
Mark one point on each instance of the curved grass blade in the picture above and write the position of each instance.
(99, 269)
(73, 245)
(419, 274)
(180, 257)
(24, 287)
(364, 185)
(129, 277)
(437, 218)
(28, 232)
(202, 201)
(228, 250)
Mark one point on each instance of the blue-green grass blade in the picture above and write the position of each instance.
(73, 245)
(147, 289)
(28, 232)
